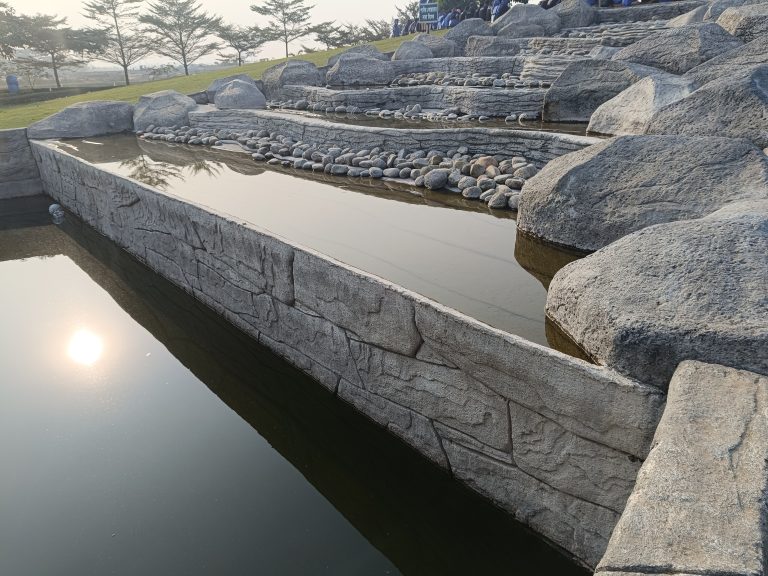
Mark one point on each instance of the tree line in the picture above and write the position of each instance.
(124, 32)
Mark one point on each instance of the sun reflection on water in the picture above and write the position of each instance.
(85, 347)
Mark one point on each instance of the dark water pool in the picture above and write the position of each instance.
(452, 250)
(141, 435)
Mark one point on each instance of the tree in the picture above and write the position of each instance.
(180, 30)
(244, 41)
(289, 20)
(409, 12)
(375, 30)
(61, 45)
(118, 20)
(10, 31)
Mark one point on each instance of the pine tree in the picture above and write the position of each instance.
(289, 20)
(180, 30)
(119, 20)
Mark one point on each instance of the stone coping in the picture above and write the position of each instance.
(538, 147)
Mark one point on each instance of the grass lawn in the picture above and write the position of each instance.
(25, 114)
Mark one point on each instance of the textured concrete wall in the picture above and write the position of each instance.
(699, 506)
(551, 439)
(537, 147)
(644, 13)
(18, 172)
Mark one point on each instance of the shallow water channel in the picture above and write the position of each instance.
(455, 251)
(142, 434)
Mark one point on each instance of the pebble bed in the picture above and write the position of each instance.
(494, 180)
(414, 112)
(505, 80)
(616, 35)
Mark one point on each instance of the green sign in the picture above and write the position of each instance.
(428, 13)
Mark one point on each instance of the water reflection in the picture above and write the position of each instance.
(153, 474)
(85, 347)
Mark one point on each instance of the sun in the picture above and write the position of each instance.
(85, 348)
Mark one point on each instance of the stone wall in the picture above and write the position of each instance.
(478, 101)
(553, 440)
(538, 147)
(646, 12)
(18, 172)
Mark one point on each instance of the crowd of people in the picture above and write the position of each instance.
(488, 10)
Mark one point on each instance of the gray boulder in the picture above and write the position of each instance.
(717, 7)
(693, 17)
(239, 95)
(586, 84)
(630, 112)
(737, 60)
(364, 49)
(576, 14)
(166, 108)
(525, 31)
(360, 70)
(526, 15)
(590, 198)
(219, 83)
(677, 50)
(603, 52)
(410, 50)
(466, 28)
(734, 105)
(746, 22)
(441, 48)
(698, 505)
(291, 73)
(85, 120)
(689, 290)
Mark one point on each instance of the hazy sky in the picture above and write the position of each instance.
(234, 11)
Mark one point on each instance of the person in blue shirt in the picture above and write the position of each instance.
(396, 30)
(500, 7)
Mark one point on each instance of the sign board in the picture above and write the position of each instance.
(428, 13)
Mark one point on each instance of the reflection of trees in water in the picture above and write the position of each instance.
(158, 166)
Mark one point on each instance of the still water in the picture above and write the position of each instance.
(440, 245)
(141, 434)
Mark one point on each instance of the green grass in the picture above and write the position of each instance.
(25, 114)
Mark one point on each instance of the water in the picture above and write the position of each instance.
(142, 434)
(452, 250)
(577, 128)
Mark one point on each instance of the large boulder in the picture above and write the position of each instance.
(693, 17)
(466, 28)
(410, 50)
(576, 14)
(84, 120)
(527, 15)
(690, 290)
(239, 95)
(590, 198)
(441, 48)
(746, 22)
(734, 105)
(737, 60)
(586, 84)
(630, 112)
(677, 50)
(360, 70)
(291, 73)
(219, 83)
(717, 7)
(363, 49)
(166, 108)
(524, 31)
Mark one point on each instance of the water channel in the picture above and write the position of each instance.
(455, 251)
(142, 434)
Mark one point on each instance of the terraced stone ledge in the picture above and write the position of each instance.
(538, 147)
(476, 101)
(553, 440)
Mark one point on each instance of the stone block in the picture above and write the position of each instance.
(699, 506)
(368, 308)
(84, 120)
